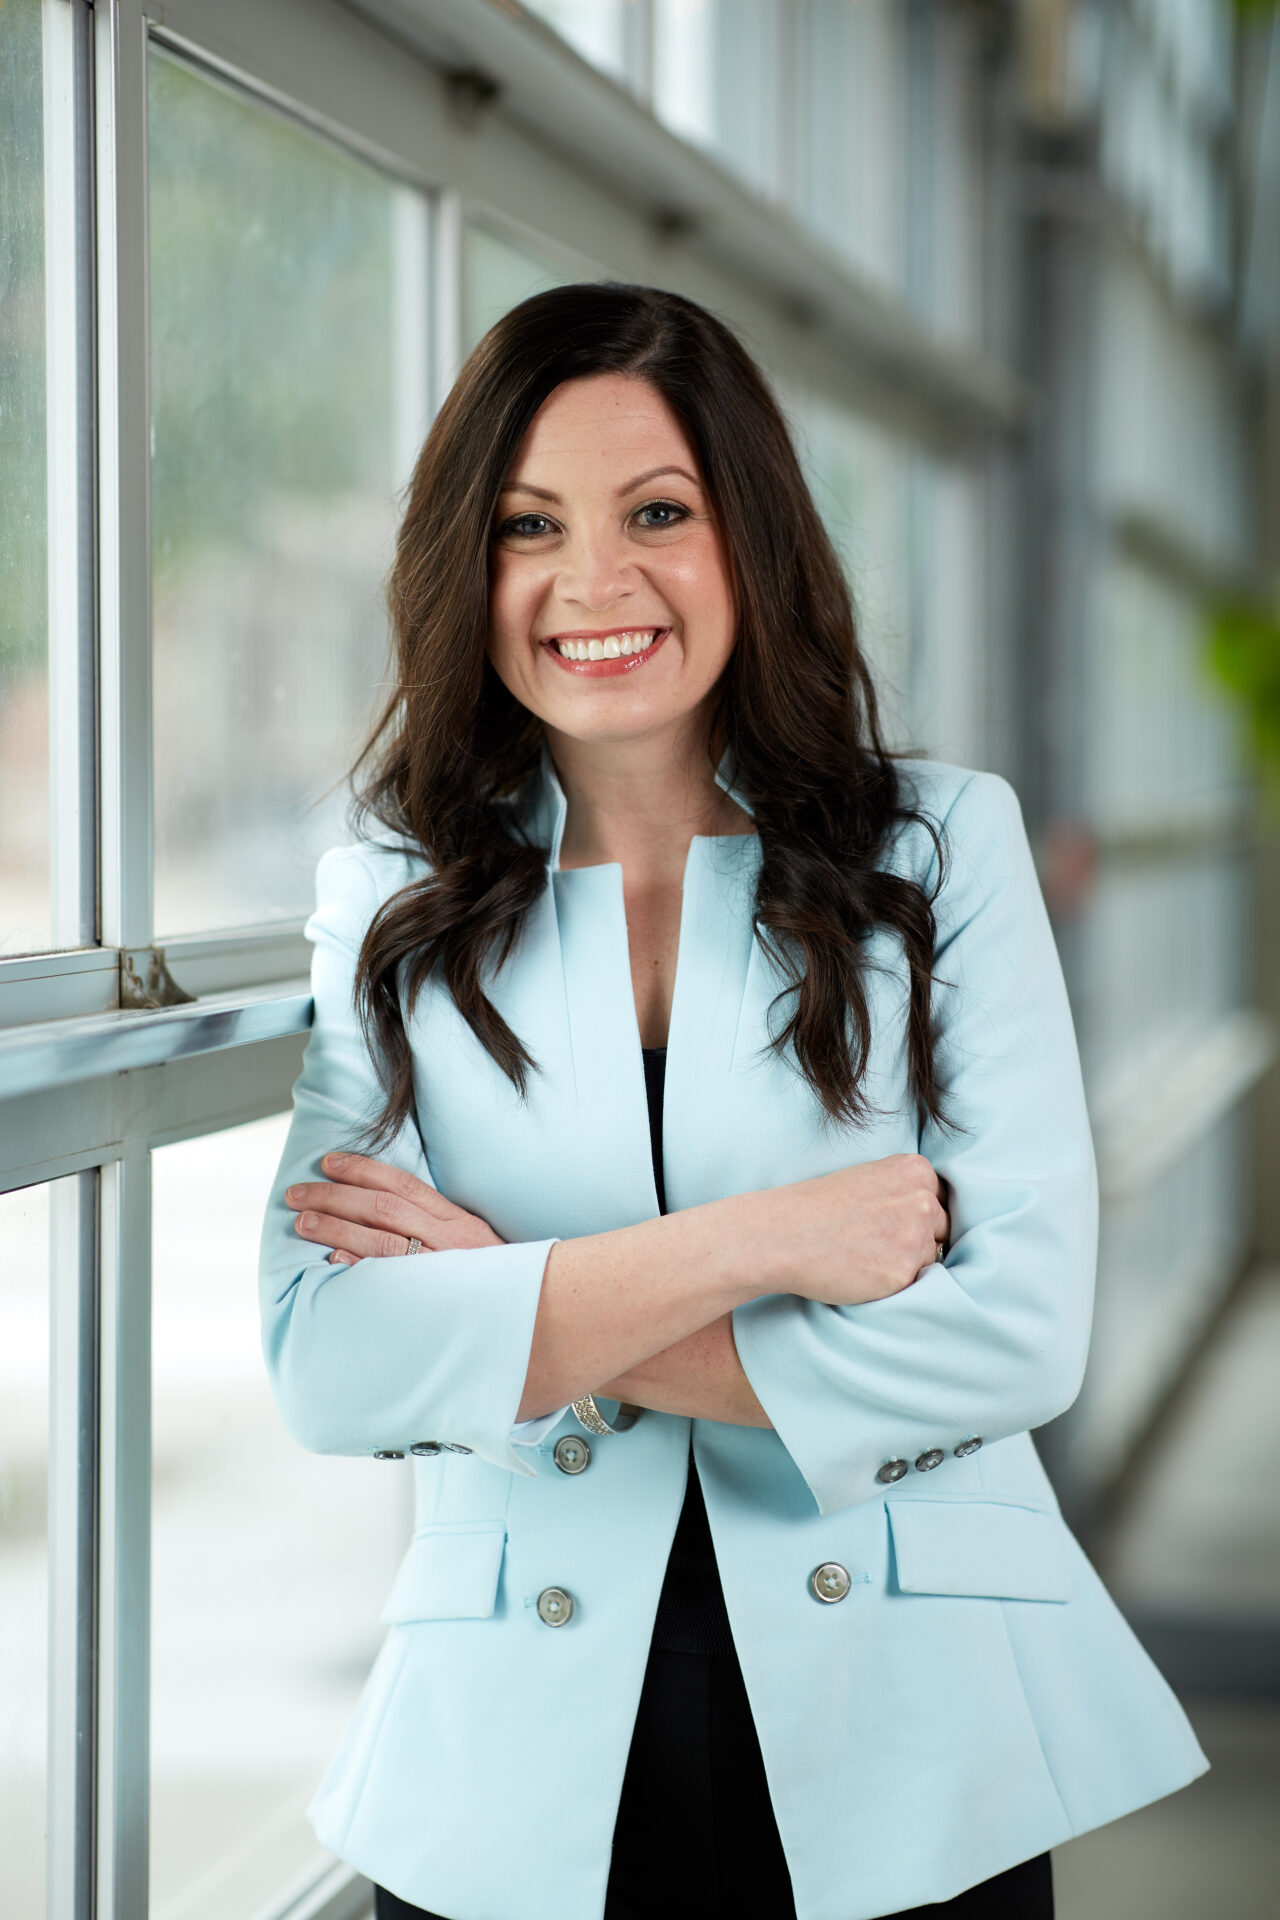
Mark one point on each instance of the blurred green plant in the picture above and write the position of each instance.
(1244, 655)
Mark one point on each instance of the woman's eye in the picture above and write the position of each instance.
(524, 526)
(667, 512)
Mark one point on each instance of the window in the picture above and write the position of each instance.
(24, 1473)
(718, 80)
(25, 904)
(280, 432)
(600, 30)
(498, 273)
(859, 478)
(268, 1564)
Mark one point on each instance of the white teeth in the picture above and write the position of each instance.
(612, 648)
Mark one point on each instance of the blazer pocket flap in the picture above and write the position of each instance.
(985, 1548)
(450, 1572)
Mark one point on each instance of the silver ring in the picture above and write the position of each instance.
(415, 1246)
(939, 1248)
(594, 1421)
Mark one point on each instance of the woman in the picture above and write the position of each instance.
(735, 1573)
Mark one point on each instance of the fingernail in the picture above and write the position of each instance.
(334, 1161)
(291, 1193)
(306, 1219)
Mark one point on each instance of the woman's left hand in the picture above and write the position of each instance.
(368, 1209)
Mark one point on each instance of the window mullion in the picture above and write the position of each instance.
(449, 305)
(410, 327)
(124, 454)
(124, 1539)
(73, 1428)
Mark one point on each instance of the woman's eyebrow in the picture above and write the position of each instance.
(641, 479)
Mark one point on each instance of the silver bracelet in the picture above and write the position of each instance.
(594, 1421)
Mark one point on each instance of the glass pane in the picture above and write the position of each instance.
(716, 80)
(277, 336)
(25, 908)
(860, 479)
(498, 275)
(24, 1457)
(597, 29)
(269, 1564)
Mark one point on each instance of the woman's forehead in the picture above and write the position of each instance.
(603, 423)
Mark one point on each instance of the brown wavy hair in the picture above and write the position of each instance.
(795, 705)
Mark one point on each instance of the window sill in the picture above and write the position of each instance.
(57, 1052)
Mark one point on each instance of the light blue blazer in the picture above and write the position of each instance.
(976, 1697)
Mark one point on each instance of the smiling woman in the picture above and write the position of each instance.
(580, 399)
(603, 546)
(551, 1143)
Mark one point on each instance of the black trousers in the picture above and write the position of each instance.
(695, 1830)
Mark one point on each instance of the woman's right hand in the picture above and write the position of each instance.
(859, 1234)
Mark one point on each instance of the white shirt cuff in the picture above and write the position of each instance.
(528, 1433)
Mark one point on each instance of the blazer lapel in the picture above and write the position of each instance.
(574, 1157)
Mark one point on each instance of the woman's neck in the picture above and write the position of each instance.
(639, 803)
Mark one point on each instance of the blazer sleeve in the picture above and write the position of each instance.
(380, 1355)
(993, 1341)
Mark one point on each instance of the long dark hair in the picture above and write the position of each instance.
(795, 706)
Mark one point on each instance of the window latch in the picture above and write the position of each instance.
(146, 983)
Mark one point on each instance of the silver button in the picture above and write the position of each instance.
(425, 1449)
(891, 1470)
(970, 1445)
(555, 1606)
(451, 1446)
(925, 1462)
(388, 1453)
(830, 1581)
(572, 1455)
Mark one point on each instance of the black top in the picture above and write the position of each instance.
(691, 1610)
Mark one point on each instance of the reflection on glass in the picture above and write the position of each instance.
(497, 275)
(24, 1457)
(24, 674)
(274, 324)
(269, 1564)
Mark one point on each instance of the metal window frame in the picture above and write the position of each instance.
(72, 1546)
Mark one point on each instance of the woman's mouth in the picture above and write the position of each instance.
(621, 650)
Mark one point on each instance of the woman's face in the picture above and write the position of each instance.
(611, 609)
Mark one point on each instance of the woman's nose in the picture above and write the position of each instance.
(595, 572)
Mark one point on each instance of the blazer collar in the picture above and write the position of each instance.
(547, 809)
